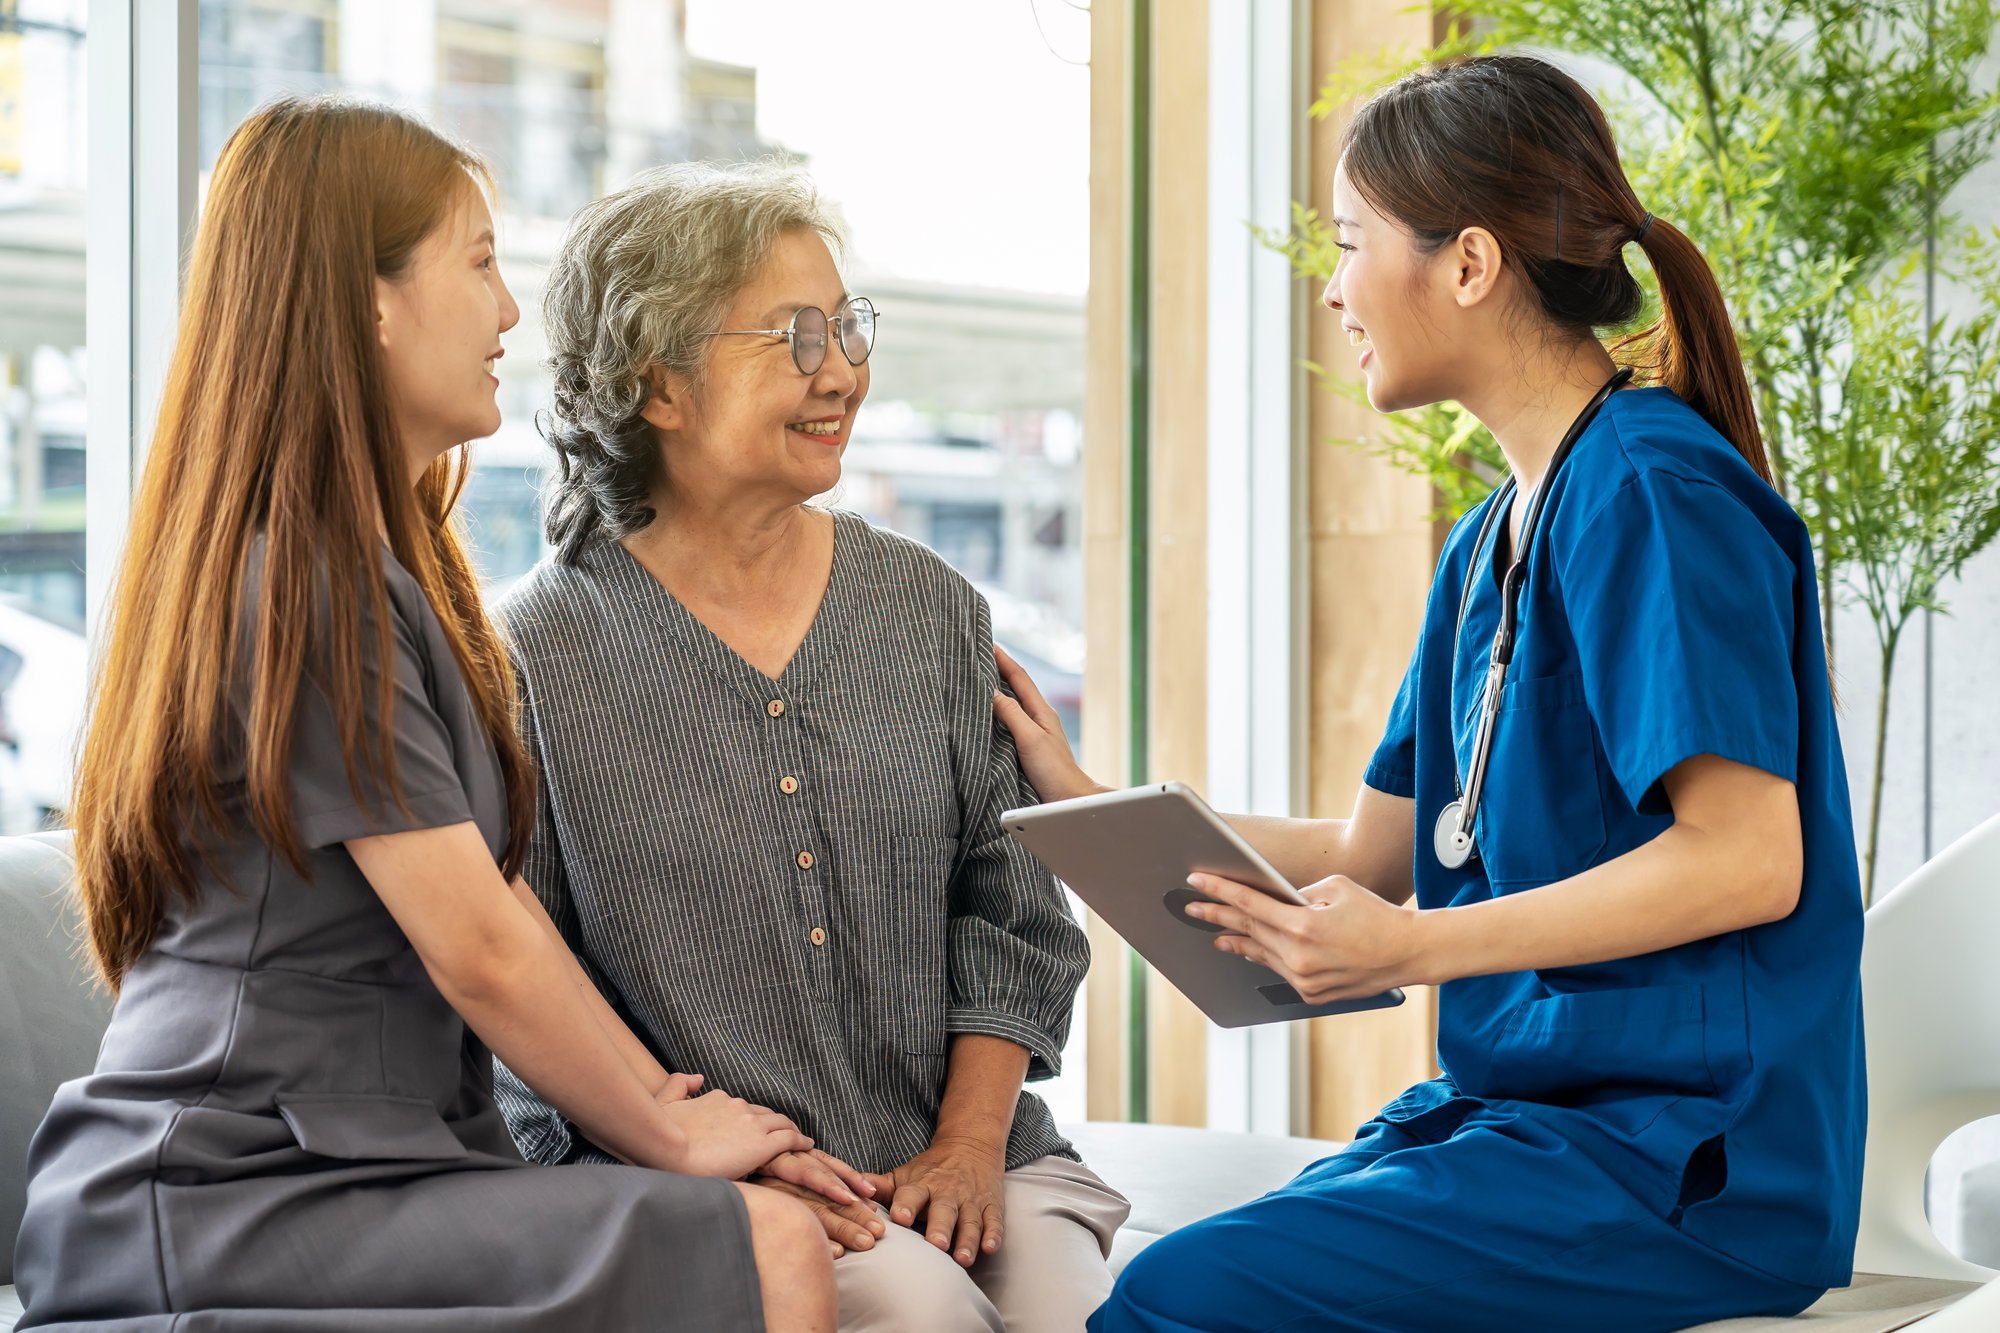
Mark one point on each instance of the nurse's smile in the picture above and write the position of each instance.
(1356, 337)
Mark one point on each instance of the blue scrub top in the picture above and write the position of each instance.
(1670, 611)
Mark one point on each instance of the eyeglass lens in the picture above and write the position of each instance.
(853, 328)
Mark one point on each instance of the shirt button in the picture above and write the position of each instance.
(776, 708)
(788, 784)
(805, 860)
(818, 936)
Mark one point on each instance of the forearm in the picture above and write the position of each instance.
(510, 980)
(1687, 884)
(648, 1070)
(1304, 851)
(982, 1084)
(534, 1018)
(1373, 846)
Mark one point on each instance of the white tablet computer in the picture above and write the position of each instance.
(1129, 853)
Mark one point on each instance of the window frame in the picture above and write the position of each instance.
(1258, 621)
(144, 97)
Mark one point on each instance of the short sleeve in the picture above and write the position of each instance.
(1393, 769)
(326, 808)
(1681, 605)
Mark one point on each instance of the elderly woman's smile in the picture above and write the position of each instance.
(826, 429)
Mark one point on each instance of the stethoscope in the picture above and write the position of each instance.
(1452, 837)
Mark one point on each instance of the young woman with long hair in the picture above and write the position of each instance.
(300, 814)
(1611, 782)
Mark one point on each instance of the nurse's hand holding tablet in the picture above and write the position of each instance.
(1348, 944)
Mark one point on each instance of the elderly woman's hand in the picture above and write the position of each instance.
(955, 1187)
(1346, 944)
(837, 1194)
(1046, 756)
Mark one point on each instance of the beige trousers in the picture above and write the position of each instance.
(1047, 1276)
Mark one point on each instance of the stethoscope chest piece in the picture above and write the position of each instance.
(1451, 841)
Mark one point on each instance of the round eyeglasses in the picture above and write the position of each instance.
(852, 323)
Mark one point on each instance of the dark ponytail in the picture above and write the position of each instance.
(1692, 348)
(1512, 144)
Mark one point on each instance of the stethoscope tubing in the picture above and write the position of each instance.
(1453, 836)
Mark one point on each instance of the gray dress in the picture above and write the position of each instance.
(289, 1129)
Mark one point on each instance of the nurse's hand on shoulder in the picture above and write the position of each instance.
(1348, 944)
(1046, 756)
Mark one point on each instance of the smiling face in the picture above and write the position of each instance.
(751, 422)
(1403, 309)
(440, 325)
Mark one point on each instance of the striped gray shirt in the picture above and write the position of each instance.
(799, 888)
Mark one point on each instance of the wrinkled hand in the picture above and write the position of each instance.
(849, 1226)
(1345, 945)
(729, 1137)
(1046, 757)
(955, 1187)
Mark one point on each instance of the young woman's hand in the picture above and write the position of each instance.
(821, 1173)
(729, 1137)
(1046, 756)
(678, 1088)
(1345, 945)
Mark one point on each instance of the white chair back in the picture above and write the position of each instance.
(1930, 985)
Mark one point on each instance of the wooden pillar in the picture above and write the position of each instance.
(1373, 548)
(1177, 1033)
(1175, 215)
(1372, 542)
(1106, 534)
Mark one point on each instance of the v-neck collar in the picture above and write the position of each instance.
(1502, 544)
(637, 585)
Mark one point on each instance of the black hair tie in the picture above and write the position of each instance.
(1645, 225)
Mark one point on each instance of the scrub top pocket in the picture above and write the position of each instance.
(1578, 1048)
(1541, 815)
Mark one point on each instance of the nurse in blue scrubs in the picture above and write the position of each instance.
(1641, 908)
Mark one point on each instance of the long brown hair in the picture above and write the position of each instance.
(1512, 144)
(276, 419)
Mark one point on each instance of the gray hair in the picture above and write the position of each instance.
(642, 276)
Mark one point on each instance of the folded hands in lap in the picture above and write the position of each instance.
(736, 1139)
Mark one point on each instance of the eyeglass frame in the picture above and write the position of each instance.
(790, 333)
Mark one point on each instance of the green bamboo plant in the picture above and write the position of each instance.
(1805, 145)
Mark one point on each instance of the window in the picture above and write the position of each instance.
(42, 391)
(564, 101)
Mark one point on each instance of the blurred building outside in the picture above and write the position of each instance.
(969, 442)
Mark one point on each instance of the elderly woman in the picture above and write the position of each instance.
(771, 778)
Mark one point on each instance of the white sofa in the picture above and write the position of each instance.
(1933, 1019)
